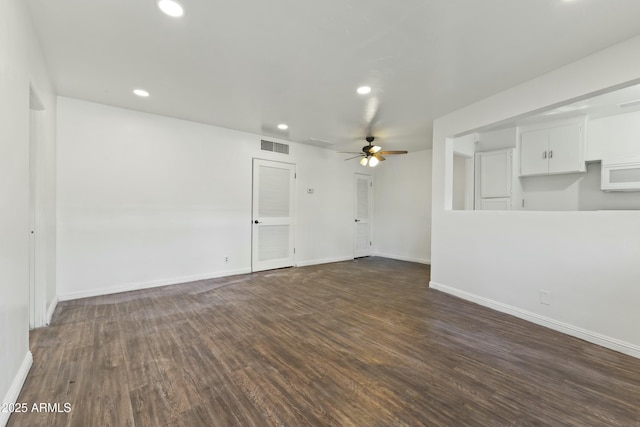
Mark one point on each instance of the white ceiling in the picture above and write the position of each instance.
(251, 64)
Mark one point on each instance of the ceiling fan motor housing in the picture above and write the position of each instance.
(367, 148)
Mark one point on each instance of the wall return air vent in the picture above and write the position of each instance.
(276, 147)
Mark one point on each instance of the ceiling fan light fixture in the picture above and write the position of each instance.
(373, 162)
(364, 90)
(364, 161)
(375, 149)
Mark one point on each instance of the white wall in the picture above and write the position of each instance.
(402, 207)
(587, 260)
(466, 145)
(575, 192)
(459, 181)
(21, 64)
(614, 137)
(146, 200)
(497, 139)
(552, 192)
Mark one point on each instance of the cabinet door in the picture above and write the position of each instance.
(496, 173)
(565, 149)
(534, 147)
(500, 204)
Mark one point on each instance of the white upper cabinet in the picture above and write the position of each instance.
(552, 149)
(534, 149)
(565, 149)
(496, 173)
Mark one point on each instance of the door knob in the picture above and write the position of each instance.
(357, 220)
(257, 222)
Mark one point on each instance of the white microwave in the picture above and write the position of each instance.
(621, 175)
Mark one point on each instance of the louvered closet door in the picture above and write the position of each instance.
(362, 244)
(273, 215)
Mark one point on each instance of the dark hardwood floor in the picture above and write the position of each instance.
(358, 343)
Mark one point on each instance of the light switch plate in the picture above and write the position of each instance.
(545, 297)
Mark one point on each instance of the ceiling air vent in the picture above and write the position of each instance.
(276, 147)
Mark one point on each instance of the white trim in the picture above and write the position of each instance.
(145, 285)
(16, 386)
(52, 308)
(565, 328)
(323, 261)
(403, 258)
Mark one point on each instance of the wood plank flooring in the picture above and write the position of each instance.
(359, 343)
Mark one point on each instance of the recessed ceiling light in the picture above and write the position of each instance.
(363, 90)
(283, 126)
(141, 93)
(171, 8)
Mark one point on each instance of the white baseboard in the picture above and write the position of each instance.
(146, 285)
(16, 386)
(565, 328)
(52, 308)
(403, 258)
(322, 261)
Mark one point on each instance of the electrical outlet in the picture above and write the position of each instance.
(226, 259)
(545, 297)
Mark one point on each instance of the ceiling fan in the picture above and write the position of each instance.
(372, 154)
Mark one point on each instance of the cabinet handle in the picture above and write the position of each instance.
(551, 154)
(544, 155)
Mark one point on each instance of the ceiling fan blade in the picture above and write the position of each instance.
(348, 152)
(355, 157)
(394, 152)
(379, 157)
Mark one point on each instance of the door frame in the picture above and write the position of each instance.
(294, 212)
(355, 213)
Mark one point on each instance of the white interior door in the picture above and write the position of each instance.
(273, 219)
(37, 280)
(362, 245)
(32, 218)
